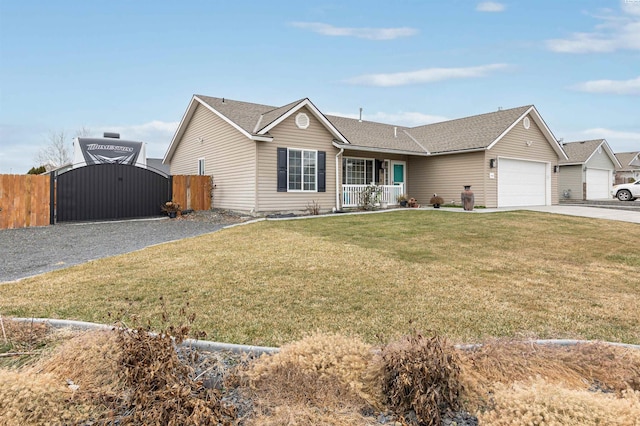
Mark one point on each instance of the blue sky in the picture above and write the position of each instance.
(132, 66)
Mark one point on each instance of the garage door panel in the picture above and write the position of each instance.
(598, 184)
(521, 183)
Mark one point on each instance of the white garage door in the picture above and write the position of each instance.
(598, 184)
(521, 183)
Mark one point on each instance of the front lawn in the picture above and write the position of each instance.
(467, 276)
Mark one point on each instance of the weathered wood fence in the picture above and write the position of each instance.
(192, 192)
(25, 200)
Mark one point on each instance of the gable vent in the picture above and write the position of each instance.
(526, 123)
(302, 120)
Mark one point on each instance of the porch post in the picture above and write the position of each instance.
(338, 182)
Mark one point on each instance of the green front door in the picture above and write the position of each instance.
(398, 173)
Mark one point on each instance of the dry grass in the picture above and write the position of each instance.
(134, 378)
(321, 379)
(468, 276)
(538, 402)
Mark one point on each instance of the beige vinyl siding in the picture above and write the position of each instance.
(514, 146)
(446, 175)
(288, 135)
(601, 161)
(571, 177)
(229, 158)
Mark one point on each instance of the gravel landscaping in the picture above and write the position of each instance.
(32, 251)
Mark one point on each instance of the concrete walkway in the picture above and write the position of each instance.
(569, 210)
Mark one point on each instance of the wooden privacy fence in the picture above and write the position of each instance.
(24, 201)
(192, 192)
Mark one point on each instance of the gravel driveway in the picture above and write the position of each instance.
(32, 251)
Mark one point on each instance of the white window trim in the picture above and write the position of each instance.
(302, 150)
(373, 160)
(202, 172)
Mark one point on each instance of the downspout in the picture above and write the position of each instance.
(338, 204)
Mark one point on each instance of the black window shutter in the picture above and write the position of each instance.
(322, 171)
(282, 169)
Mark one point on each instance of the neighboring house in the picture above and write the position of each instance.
(273, 159)
(629, 167)
(587, 173)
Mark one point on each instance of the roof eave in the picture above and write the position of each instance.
(377, 150)
(179, 131)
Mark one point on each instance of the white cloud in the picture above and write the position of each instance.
(366, 33)
(427, 75)
(618, 87)
(614, 32)
(609, 134)
(401, 118)
(156, 134)
(490, 6)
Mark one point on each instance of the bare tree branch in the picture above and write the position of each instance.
(57, 153)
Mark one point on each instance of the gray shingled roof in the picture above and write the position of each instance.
(244, 114)
(626, 159)
(580, 151)
(369, 134)
(273, 115)
(476, 132)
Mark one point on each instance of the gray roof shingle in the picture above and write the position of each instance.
(244, 114)
(476, 132)
(580, 151)
(369, 134)
(628, 160)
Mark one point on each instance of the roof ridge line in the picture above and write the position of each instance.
(472, 116)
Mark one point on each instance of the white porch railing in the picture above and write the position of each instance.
(388, 194)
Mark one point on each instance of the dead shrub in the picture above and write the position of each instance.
(325, 371)
(539, 402)
(162, 388)
(421, 375)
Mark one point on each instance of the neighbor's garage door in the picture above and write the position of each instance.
(521, 183)
(598, 184)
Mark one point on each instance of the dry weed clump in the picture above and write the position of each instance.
(90, 361)
(305, 415)
(581, 367)
(421, 375)
(162, 389)
(542, 403)
(29, 398)
(325, 371)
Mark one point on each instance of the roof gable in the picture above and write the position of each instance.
(628, 160)
(581, 152)
(281, 114)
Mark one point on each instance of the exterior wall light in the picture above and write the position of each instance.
(492, 163)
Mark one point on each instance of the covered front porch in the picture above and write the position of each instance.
(361, 195)
(372, 182)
